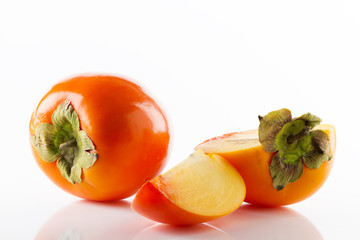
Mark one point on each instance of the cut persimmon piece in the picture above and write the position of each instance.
(199, 189)
(244, 151)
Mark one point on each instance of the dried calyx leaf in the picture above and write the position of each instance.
(270, 126)
(64, 142)
(320, 150)
(309, 119)
(295, 144)
(283, 173)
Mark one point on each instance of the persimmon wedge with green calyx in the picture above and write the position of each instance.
(263, 187)
(199, 189)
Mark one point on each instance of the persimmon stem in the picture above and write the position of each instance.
(298, 136)
(68, 144)
(67, 150)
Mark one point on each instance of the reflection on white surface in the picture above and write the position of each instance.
(199, 231)
(90, 220)
(258, 223)
(83, 220)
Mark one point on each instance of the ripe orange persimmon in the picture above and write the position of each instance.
(244, 151)
(99, 137)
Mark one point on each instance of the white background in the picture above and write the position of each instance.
(213, 66)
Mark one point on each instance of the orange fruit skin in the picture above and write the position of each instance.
(253, 165)
(151, 203)
(129, 130)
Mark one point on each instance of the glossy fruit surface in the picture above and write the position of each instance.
(199, 189)
(246, 154)
(128, 131)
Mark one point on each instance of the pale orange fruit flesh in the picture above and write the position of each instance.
(202, 184)
(199, 189)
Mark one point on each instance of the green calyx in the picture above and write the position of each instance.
(64, 142)
(295, 144)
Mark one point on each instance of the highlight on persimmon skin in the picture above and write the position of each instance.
(200, 189)
(244, 151)
(99, 137)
